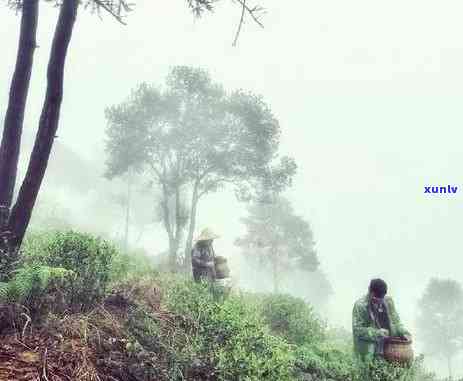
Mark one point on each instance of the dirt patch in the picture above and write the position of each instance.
(39, 356)
(92, 346)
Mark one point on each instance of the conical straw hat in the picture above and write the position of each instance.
(206, 235)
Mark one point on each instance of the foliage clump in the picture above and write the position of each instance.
(231, 335)
(30, 282)
(292, 319)
(90, 259)
(325, 361)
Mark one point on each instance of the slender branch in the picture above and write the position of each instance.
(199, 6)
(252, 11)
(28, 320)
(238, 31)
(205, 173)
(156, 171)
(217, 181)
(44, 367)
(116, 15)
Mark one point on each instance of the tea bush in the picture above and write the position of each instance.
(89, 257)
(164, 355)
(230, 335)
(28, 284)
(292, 319)
(381, 370)
(325, 361)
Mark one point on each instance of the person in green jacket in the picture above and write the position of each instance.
(374, 319)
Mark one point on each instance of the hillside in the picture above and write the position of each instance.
(78, 309)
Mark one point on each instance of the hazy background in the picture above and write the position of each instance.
(369, 96)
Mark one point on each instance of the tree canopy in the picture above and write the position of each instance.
(192, 135)
(440, 318)
(195, 131)
(278, 237)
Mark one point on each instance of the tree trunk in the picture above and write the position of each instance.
(191, 228)
(14, 118)
(168, 227)
(178, 222)
(276, 276)
(4, 213)
(49, 118)
(449, 366)
(127, 210)
(177, 213)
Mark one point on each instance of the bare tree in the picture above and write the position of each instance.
(13, 124)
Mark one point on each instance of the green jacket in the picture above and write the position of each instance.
(365, 331)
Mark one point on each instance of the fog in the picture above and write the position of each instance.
(368, 96)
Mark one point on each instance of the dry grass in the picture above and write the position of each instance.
(93, 346)
(39, 356)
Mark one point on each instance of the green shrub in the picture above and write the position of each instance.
(230, 336)
(326, 361)
(381, 370)
(161, 343)
(292, 319)
(87, 256)
(144, 329)
(29, 283)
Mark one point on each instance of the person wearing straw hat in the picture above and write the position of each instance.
(202, 256)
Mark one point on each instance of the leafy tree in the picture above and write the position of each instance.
(194, 138)
(15, 219)
(440, 319)
(279, 237)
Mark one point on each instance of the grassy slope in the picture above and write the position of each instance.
(116, 318)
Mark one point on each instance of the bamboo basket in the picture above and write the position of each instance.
(398, 350)
(222, 270)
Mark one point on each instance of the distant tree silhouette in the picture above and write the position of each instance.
(440, 319)
(282, 239)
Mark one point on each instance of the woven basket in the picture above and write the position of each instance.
(398, 350)
(219, 260)
(222, 270)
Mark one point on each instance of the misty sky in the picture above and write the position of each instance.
(369, 96)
